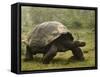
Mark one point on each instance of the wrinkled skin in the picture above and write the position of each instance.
(63, 43)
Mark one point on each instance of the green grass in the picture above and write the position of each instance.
(61, 60)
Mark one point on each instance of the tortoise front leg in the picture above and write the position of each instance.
(50, 55)
(74, 46)
(77, 54)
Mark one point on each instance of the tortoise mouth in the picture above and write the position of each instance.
(82, 44)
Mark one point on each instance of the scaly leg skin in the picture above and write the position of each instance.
(50, 55)
(77, 54)
(28, 55)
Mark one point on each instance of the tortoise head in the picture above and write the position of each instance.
(79, 43)
(66, 42)
(68, 39)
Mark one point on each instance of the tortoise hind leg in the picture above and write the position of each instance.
(28, 54)
(50, 55)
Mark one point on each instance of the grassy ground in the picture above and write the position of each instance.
(62, 59)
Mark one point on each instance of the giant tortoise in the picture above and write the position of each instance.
(51, 37)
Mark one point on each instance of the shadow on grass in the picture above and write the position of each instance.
(62, 61)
